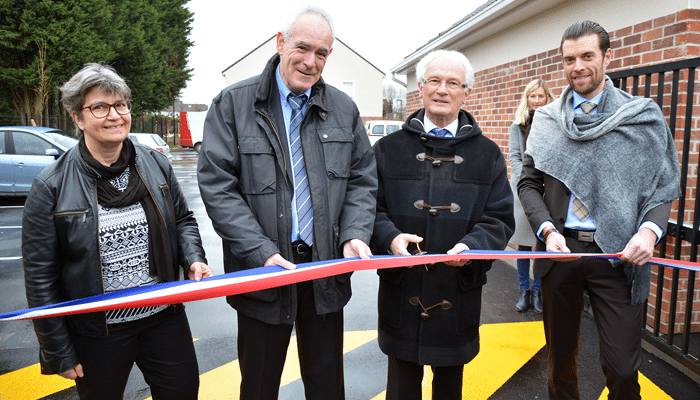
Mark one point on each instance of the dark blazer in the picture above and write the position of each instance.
(545, 198)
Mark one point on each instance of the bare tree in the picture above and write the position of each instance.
(394, 104)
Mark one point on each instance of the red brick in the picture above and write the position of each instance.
(667, 20)
(623, 32)
(642, 47)
(675, 29)
(653, 34)
(673, 53)
(689, 14)
(644, 26)
(634, 39)
(662, 43)
(693, 26)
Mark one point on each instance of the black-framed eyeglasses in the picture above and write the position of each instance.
(101, 110)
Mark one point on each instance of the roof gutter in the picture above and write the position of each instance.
(483, 23)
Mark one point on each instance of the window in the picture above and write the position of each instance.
(392, 128)
(378, 130)
(30, 145)
(349, 89)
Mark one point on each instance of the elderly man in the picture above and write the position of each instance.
(287, 176)
(585, 190)
(443, 187)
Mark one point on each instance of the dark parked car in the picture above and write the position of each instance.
(25, 151)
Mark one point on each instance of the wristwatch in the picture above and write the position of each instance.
(547, 231)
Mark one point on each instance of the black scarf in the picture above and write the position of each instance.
(525, 128)
(159, 253)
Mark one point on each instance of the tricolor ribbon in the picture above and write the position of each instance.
(273, 276)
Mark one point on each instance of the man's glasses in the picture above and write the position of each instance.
(101, 110)
(434, 83)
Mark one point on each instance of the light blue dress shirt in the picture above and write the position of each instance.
(287, 113)
(429, 126)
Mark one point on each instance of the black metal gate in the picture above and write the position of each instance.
(679, 95)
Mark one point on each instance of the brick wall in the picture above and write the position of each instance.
(674, 37)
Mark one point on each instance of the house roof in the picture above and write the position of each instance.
(274, 36)
(488, 19)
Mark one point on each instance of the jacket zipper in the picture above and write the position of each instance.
(99, 257)
(84, 212)
(284, 156)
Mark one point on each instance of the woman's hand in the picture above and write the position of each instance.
(73, 373)
(199, 270)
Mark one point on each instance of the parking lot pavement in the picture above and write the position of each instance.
(511, 364)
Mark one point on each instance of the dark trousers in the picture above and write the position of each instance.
(405, 377)
(262, 349)
(619, 323)
(161, 345)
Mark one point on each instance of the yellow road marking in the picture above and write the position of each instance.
(649, 390)
(225, 382)
(28, 384)
(505, 348)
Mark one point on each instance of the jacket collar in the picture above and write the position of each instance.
(468, 127)
(264, 93)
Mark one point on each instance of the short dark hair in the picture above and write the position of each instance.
(584, 28)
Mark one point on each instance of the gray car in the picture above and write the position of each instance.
(25, 151)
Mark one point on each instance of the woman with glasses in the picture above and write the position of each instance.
(536, 94)
(109, 215)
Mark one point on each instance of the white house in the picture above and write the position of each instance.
(345, 69)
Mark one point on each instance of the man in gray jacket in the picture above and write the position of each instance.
(287, 175)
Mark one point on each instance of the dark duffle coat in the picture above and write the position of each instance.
(473, 181)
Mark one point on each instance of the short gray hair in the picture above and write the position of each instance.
(92, 75)
(310, 9)
(450, 55)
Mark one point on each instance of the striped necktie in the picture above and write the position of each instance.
(305, 211)
(579, 210)
(587, 107)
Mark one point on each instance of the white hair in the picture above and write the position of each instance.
(310, 9)
(449, 55)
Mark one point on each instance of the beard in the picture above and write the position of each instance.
(595, 83)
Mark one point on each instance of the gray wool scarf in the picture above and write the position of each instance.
(621, 162)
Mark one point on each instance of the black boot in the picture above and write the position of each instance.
(537, 302)
(524, 301)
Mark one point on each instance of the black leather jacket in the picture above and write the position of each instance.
(60, 244)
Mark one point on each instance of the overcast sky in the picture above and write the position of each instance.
(383, 32)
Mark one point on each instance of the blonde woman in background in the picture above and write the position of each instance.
(536, 94)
